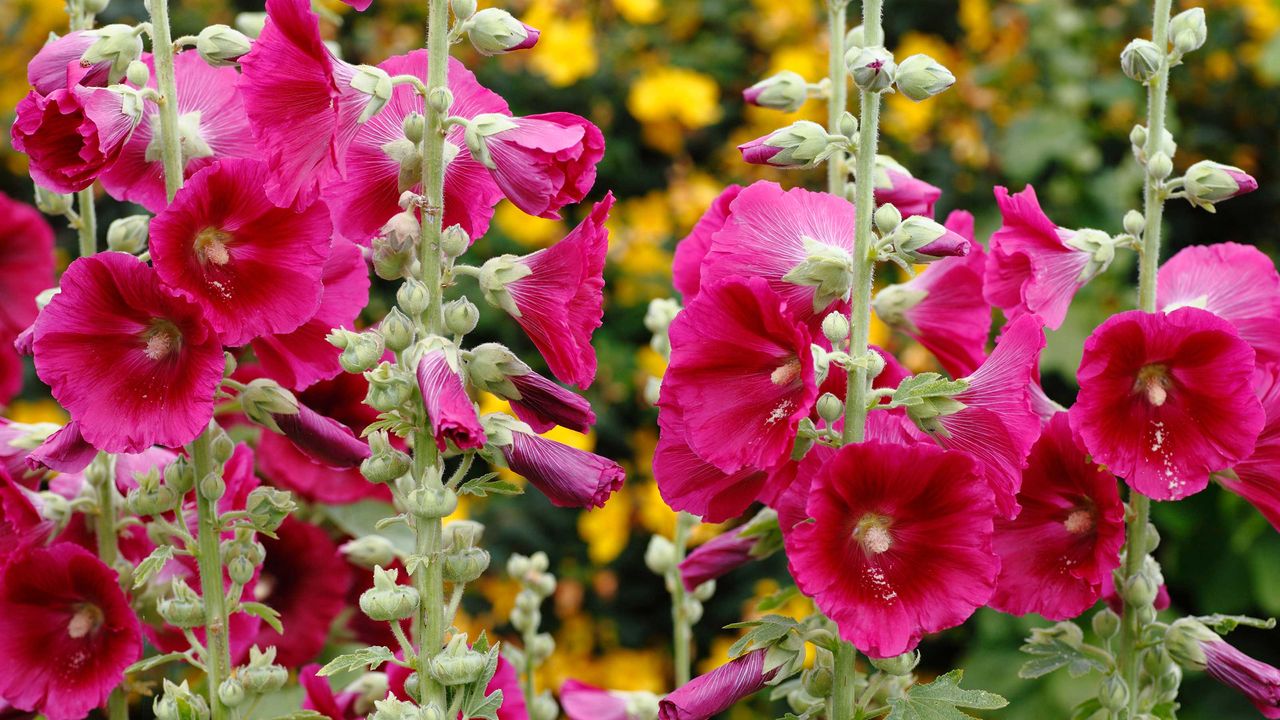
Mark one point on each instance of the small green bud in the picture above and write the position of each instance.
(1188, 30)
(887, 218)
(899, 665)
(376, 84)
(1140, 590)
(463, 9)
(117, 44)
(387, 600)
(462, 534)
(1138, 136)
(220, 46)
(465, 565)
(431, 503)
(1159, 166)
(1208, 182)
(920, 77)
(461, 316)
(705, 591)
(1113, 693)
(830, 407)
(211, 487)
(152, 500)
(413, 297)
(396, 330)
(363, 351)
(872, 68)
(138, 73)
(268, 507)
(414, 127)
(1106, 623)
(179, 476)
(848, 124)
(835, 327)
(454, 241)
(493, 31)
(369, 551)
(544, 707)
(893, 303)
(183, 608)
(389, 387)
(817, 680)
(800, 145)
(1141, 60)
(262, 675)
(457, 664)
(128, 234)
(826, 268)
(179, 703)
(1134, 223)
(385, 463)
(231, 692)
(53, 203)
(785, 91)
(440, 100)
(396, 244)
(660, 555)
(518, 566)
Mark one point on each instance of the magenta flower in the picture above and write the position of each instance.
(1167, 398)
(943, 308)
(323, 439)
(135, 364)
(305, 579)
(318, 695)
(289, 81)
(771, 232)
(757, 152)
(770, 369)
(1033, 269)
(253, 268)
(708, 695)
(560, 302)
(1195, 646)
(211, 122)
(900, 545)
(716, 558)
(450, 412)
(10, 372)
(1056, 553)
(66, 630)
(59, 60)
(1238, 283)
(21, 523)
(73, 135)
(687, 482)
(26, 265)
(65, 451)
(686, 265)
(909, 195)
(567, 476)
(545, 161)
(543, 404)
(1257, 477)
(299, 359)
(581, 701)
(369, 192)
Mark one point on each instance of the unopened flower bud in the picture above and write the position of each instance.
(919, 239)
(376, 84)
(872, 68)
(1188, 30)
(231, 692)
(464, 565)
(457, 664)
(887, 218)
(817, 680)
(1160, 166)
(53, 203)
(899, 665)
(388, 600)
(211, 487)
(920, 77)
(454, 241)
(830, 407)
(251, 23)
(802, 144)
(179, 703)
(463, 9)
(369, 551)
(395, 245)
(396, 330)
(151, 499)
(262, 675)
(1208, 182)
(1140, 590)
(1151, 538)
(263, 399)
(431, 503)
(544, 584)
(221, 46)
(462, 534)
(835, 327)
(414, 127)
(138, 73)
(180, 476)
(518, 566)
(1141, 60)
(183, 608)
(362, 352)
(1134, 223)
(660, 555)
(855, 38)
(544, 707)
(440, 99)
(493, 31)
(541, 648)
(1113, 693)
(385, 463)
(268, 507)
(461, 316)
(116, 44)
(1106, 623)
(413, 297)
(389, 387)
(785, 91)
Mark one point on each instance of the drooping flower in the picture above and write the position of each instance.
(1167, 398)
(536, 400)
(1196, 647)
(1035, 267)
(581, 701)
(800, 241)
(135, 364)
(450, 412)
(770, 368)
(65, 451)
(211, 126)
(557, 295)
(544, 162)
(26, 265)
(894, 184)
(1238, 283)
(1067, 538)
(900, 545)
(943, 308)
(305, 579)
(252, 267)
(303, 357)
(686, 264)
(569, 477)
(48, 70)
(66, 631)
(715, 558)
(708, 695)
(382, 163)
(72, 135)
(1257, 477)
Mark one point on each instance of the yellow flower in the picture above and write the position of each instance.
(606, 530)
(655, 516)
(975, 18)
(566, 50)
(526, 229)
(36, 411)
(651, 363)
(639, 12)
(672, 99)
(691, 195)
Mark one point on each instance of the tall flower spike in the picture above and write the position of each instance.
(541, 162)
(450, 411)
(1167, 398)
(254, 268)
(73, 135)
(686, 265)
(134, 364)
(567, 476)
(1055, 555)
(900, 545)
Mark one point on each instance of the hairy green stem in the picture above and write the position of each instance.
(87, 222)
(682, 629)
(106, 533)
(838, 99)
(528, 679)
(842, 692)
(162, 51)
(209, 556)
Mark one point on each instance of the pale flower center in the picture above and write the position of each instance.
(1153, 382)
(1079, 522)
(872, 532)
(160, 340)
(786, 372)
(86, 619)
(211, 246)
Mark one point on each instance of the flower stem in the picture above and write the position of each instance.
(109, 551)
(87, 222)
(528, 679)
(1148, 266)
(209, 557)
(162, 51)
(842, 692)
(682, 629)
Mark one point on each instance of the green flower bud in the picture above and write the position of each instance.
(800, 145)
(1188, 30)
(268, 507)
(830, 407)
(396, 244)
(1140, 590)
(251, 23)
(431, 503)
(658, 316)
(817, 680)
(887, 218)
(220, 46)
(1208, 182)
(179, 476)
(457, 664)
(465, 565)
(183, 608)
(116, 44)
(543, 584)
(262, 675)
(211, 487)
(414, 126)
(785, 91)
(393, 709)
(374, 82)
(518, 566)
(493, 31)
(363, 351)
(893, 303)
(1106, 623)
(705, 591)
(660, 555)
(413, 297)
(263, 399)
(541, 648)
(920, 77)
(138, 73)
(179, 703)
(440, 99)
(242, 556)
(53, 203)
(385, 463)
(463, 9)
(1113, 693)
(826, 268)
(1160, 166)
(231, 692)
(899, 665)
(369, 551)
(872, 68)
(454, 241)
(1134, 223)
(1141, 60)
(387, 600)
(128, 234)
(396, 330)
(461, 316)
(544, 707)
(389, 387)
(835, 327)
(152, 500)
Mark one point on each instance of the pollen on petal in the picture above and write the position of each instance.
(87, 619)
(786, 372)
(211, 246)
(1079, 522)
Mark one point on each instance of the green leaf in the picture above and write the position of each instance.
(1166, 710)
(1223, 624)
(154, 661)
(486, 485)
(413, 563)
(268, 614)
(302, 715)
(1061, 646)
(1086, 709)
(486, 707)
(151, 565)
(778, 599)
(941, 700)
(366, 518)
(763, 633)
(365, 658)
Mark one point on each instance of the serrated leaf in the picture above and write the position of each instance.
(764, 632)
(154, 661)
(415, 562)
(151, 565)
(269, 615)
(486, 485)
(1053, 649)
(778, 599)
(486, 707)
(364, 658)
(1223, 624)
(481, 643)
(942, 700)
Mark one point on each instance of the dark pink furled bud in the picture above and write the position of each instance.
(544, 404)
(567, 476)
(321, 438)
(707, 695)
(716, 558)
(48, 70)
(450, 411)
(1194, 646)
(64, 451)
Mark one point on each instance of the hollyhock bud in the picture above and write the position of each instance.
(360, 351)
(128, 234)
(390, 386)
(150, 497)
(60, 58)
(268, 507)
(385, 463)
(72, 135)
(115, 45)
(567, 476)
(462, 9)
(262, 675)
(465, 565)
(1134, 223)
(785, 91)
(231, 692)
(432, 503)
(830, 407)
(659, 555)
(183, 607)
(369, 551)
(828, 269)
(1208, 182)
(920, 77)
(388, 600)
(707, 695)
(920, 240)
(53, 203)
(179, 703)
(450, 412)
(220, 46)
(835, 327)
(395, 246)
(1188, 30)
(375, 83)
(898, 665)
(802, 144)
(1160, 166)
(396, 330)
(1196, 647)
(263, 400)
(493, 31)
(413, 297)
(138, 74)
(454, 241)
(1141, 60)
(887, 218)
(872, 68)
(457, 664)
(461, 316)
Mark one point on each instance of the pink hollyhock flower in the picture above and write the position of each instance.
(1238, 283)
(770, 368)
(894, 184)
(716, 558)
(1195, 646)
(65, 451)
(211, 123)
(998, 424)
(708, 695)
(20, 520)
(26, 264)
(687, 482)
(10, 373)
(1257, 477)
(560, 301)
(1167, 398)
(450, 412)
(323, 439)
(305, 579)
(943, 308)
(581, 701)
(569, 477)
(319, 696)
(1055, 554)
(686, 264)
(300, 358)
(72, 135)
(1033, 268)
(771, 233)
(505, 678)
(290, 81)
(360, 5)
(900, 545)
(544, 404)
(369, 193)
(544, 162)
(49, 69)
(135, 364)
(66, 630)
(253, 268)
